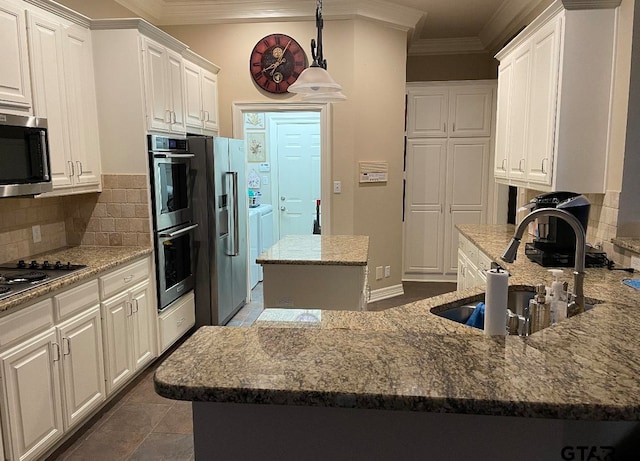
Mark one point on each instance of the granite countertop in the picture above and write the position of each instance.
(343, 250)
(407, 358)
(97, 260)
(627, 243)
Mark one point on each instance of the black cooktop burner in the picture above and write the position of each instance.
(4, 290)
(24, 277)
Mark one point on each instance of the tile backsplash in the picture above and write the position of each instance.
(118, 216)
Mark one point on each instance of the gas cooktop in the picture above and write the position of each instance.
(22, 276)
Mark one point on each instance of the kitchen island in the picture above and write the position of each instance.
(316, 271)
(407, 384)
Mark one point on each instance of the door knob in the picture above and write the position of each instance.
(283, 198)
(283, 208)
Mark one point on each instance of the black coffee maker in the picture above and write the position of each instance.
(555, 241)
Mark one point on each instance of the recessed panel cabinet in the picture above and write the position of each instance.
(554, 101)
(15, 84)
(447, 177)
(64, 93)
(201, 97)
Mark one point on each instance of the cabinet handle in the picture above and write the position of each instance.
(56, 348)
(68, 343)
(167, 111)
(137, 306)
(79, 168)
(207, 119)
(130, 306)
(180, 322)
(202, 119)
(128, 278)
(543, 160)
(72, 169)
(441, 208)
(520, 167)
(444, 127)
(173, 117)
(453, 128)
(503, 167)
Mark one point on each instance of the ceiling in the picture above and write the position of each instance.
(434, 26)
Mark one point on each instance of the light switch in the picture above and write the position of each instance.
(265, 180)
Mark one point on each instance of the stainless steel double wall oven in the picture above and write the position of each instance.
(172, 185)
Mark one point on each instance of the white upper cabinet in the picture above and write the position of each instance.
(15, 85)
(64, 93)
(201, 95)
(554, 101)
(164, 72)
(459, 111)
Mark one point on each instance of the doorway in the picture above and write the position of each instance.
(288, 161)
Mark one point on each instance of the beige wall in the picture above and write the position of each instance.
(451, 67)
(368, 126)
(98, 9)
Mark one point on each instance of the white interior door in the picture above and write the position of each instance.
(298, 159)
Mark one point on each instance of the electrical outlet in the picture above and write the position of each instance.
(387, 271)
(379, 273)
(37, 236)
(337, 187)
(635, 263)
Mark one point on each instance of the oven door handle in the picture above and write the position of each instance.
(184, 230)
(167, 155)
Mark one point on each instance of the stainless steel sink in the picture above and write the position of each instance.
(516, 303)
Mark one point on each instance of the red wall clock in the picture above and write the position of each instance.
(276, 62)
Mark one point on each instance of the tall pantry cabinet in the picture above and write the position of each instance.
(447, 170)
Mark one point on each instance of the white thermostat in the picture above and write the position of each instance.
(374, 172)
(264, 167)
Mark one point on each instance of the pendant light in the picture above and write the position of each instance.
(315, 81)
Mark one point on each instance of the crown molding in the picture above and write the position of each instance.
(590, 4)
(462, 45)
(62, 11)
(143, 27)
(165, 13)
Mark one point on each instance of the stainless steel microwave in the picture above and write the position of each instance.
(24, 156)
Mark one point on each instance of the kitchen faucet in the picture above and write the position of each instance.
(576, 305)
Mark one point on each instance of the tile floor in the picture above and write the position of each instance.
(140, 425)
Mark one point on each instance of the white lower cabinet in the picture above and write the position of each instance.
(175, 320)
(31, 375)
(129, 334)
(472, 265)
(54, 378)
(61, 356)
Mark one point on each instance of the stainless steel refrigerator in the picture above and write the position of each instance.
(220, 209)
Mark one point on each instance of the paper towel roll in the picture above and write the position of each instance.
(495, 300)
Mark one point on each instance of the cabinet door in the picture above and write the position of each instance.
(49, 92)
(117, 344)
(34, 404)
(15, 84)
(423, 227)
(175, 72)
(470, 111)
(545, 49)
(210, 101)
(519, 112)
(82, 365)
(428, 112)
(505, 76)
(467, 168)
(143, 326)
(157, 89)
(462, 267)
(193, 97)
(83, 112)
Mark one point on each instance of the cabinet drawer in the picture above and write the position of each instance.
(26, 321)
(176, 320)
(124, 278)
(76, 299)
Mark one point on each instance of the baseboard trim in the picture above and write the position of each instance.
(386, 293)
(430, 278)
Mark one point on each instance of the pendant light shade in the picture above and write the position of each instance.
(314, 80)
(333, 96)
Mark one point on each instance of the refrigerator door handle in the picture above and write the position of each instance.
(236, 227)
